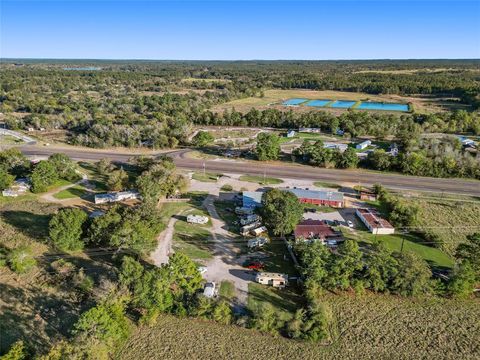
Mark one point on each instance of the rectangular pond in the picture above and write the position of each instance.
(341, 104)
(294, 101)
(383, 106)
(85, 68)
(318, 103)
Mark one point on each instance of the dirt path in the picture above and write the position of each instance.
(227, 263)
(49, 196)
(164, 248)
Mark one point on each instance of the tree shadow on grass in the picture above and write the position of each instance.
(35, 316)
(30, 224)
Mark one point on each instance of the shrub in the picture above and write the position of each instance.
(226, 187)
(21, 260)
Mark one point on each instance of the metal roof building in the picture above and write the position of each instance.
(319, 197)
(252, 199)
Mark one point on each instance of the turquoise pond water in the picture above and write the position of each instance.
(343, 104)
(318, 103)
(347, 104)
(86, 68)
(294, 101)
(382, 106)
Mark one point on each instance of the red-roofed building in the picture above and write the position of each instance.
(375, 223)
(315, 230)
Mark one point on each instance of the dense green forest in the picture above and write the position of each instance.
(146, 103)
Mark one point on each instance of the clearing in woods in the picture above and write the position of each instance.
(273, 99)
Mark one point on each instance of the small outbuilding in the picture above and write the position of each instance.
(374, 222)
(291, 133)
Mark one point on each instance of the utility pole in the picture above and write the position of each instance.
(264, 175)
(401, 248)
(204, 168)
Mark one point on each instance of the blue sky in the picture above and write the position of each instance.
(240, 30)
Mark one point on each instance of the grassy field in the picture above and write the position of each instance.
(194, 244)
(273, 98)
(450, 221)
(189, 239)
(368, 327)
(261, 180)
(32, 307)
(70, 193)
(435, 257)
(207, 177)
(227, 289)
(57, 184)
(284, 301)
(9, 140)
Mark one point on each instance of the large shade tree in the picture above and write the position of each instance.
(281, 211)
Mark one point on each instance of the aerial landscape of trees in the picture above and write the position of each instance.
(97, 270)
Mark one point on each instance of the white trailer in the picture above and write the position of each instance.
(197, 219)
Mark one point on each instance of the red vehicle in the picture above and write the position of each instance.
(255, 265)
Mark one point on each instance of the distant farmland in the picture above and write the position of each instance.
(273, 99)
(366, 327)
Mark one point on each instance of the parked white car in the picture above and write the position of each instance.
(210, 290)
(350, 224)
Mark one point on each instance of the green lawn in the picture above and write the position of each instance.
(192, 240)
(227, 290)
(9, 140)
(206, 177)
(70, 193)
(189, 239)
(433, 256)
(57, 184)
(261, 179)
(320, 208)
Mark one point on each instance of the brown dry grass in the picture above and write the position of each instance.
(449, 220)
(369, 327)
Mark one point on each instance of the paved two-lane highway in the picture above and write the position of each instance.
(291, 171)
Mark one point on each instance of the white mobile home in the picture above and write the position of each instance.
(197, 219)
(116, 196)
(363, 145)
(273, 279)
